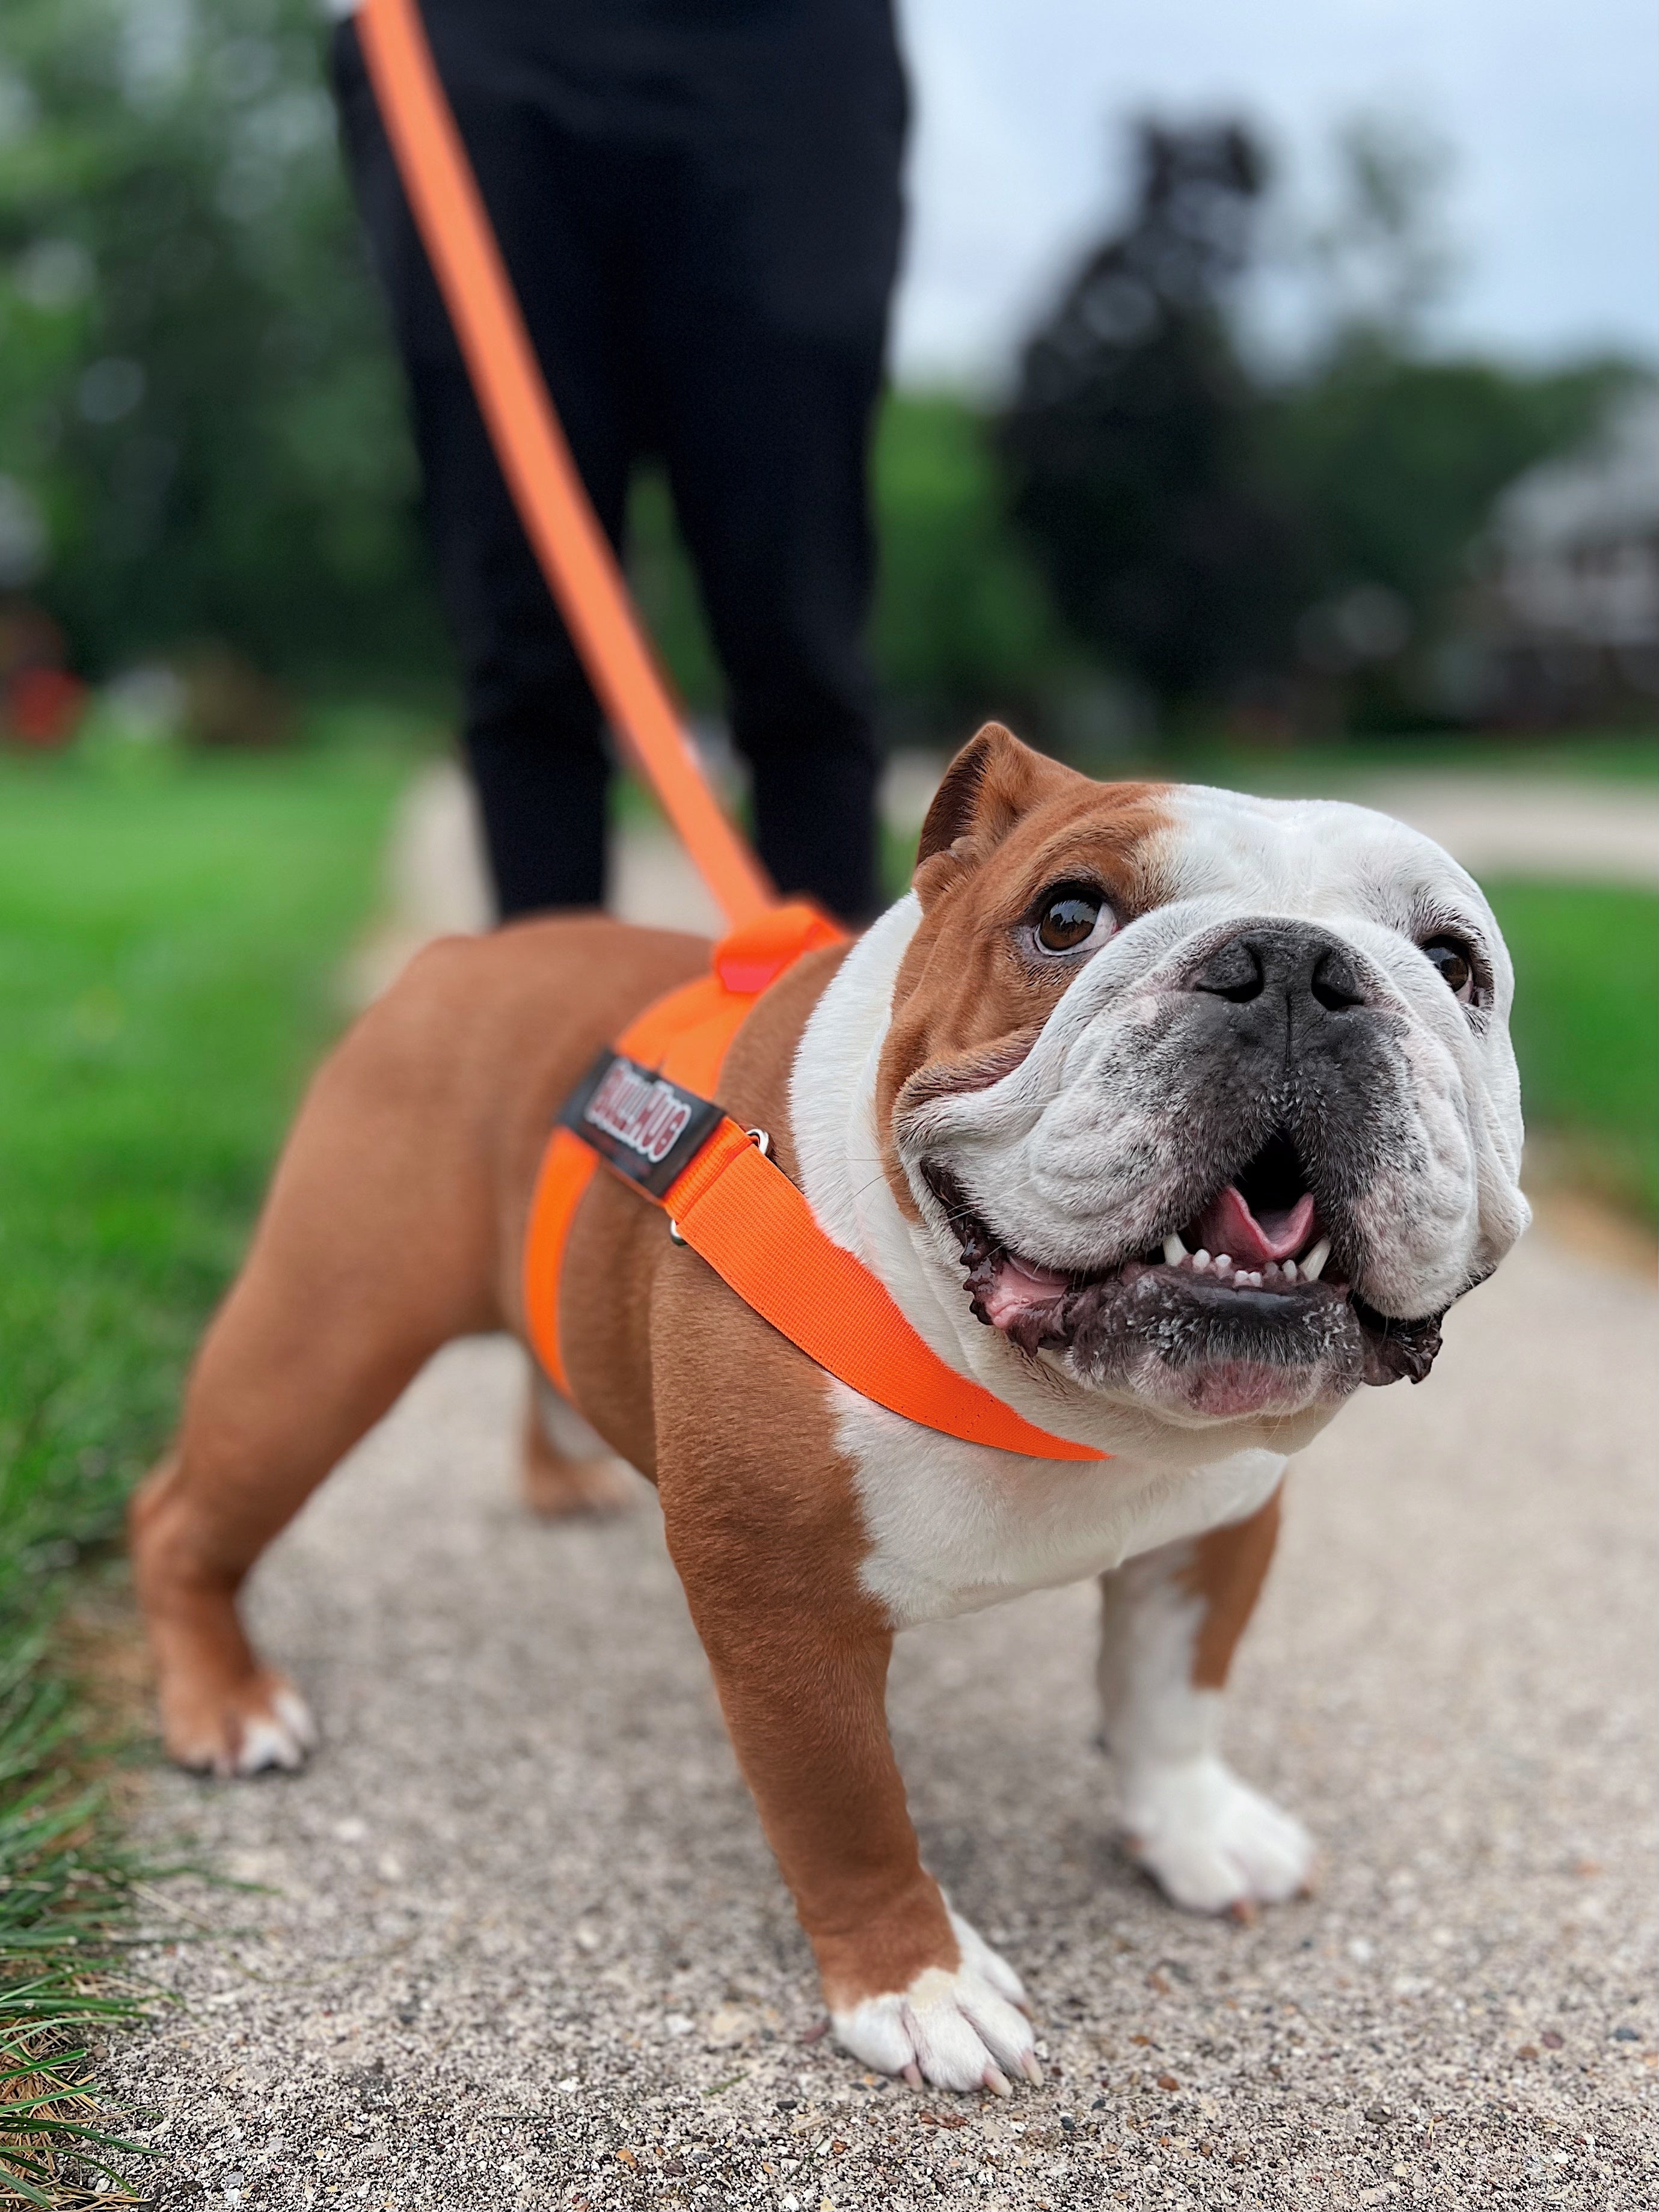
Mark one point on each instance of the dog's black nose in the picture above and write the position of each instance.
(1306, 968)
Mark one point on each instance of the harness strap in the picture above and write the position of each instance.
(684, 1035)
(737, 1210)
(756, 1229)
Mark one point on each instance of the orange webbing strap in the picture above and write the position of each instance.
(566, 1171)
(757, 1232)
(683, 1037)
(574, 554)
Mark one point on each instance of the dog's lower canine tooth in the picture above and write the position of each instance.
(1174, 1250)
(1313, 1266)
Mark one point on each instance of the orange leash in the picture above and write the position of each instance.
(558, 517)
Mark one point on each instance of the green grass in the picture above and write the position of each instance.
(1586, 1030)
(168, 942)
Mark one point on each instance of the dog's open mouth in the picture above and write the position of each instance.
(1259, 1232)
(1249, 1281)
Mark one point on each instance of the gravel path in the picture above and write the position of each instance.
(518, 1941)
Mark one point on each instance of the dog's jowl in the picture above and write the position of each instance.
(1169, 1117)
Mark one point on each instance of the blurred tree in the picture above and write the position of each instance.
(203, 442)
(963, 627)
(1232, 534)
(1380, 260)
(1131, 442)
(1393, 464)
(198, 418)
(1390, 455)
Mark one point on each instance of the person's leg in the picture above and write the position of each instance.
(773, 510)
(772, 251)
(532, 726)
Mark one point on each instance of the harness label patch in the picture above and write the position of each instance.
(644, 1126)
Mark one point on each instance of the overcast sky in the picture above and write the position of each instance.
(1548, 105)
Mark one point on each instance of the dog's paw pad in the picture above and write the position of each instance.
(956, 2029)
(1211, 1842)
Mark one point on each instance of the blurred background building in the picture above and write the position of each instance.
(1569, 620)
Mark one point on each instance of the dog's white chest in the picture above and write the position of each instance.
(953, 1527)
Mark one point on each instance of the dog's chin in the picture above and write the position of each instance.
(1189, 1335)
(1194, 1351)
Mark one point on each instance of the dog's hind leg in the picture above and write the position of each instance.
(1171, 1620)
(372, 1251)
(565, 1467)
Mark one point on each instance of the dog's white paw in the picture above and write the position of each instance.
(957, 2030)
(279, 1734)
(1209, 1840)
(245, 1725)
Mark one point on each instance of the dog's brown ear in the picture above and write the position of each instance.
(991, 783)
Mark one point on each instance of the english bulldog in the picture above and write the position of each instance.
(1170, 1117)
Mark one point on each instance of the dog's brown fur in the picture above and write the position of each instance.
(966, 1008)
(394, 1223)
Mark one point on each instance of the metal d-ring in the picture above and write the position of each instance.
(761, 1140)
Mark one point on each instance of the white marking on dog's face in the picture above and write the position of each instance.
(1269, 1012)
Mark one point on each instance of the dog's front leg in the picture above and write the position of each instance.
(1170, 1622)
(800, 1663)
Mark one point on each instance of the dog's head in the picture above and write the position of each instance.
(1208, 1100)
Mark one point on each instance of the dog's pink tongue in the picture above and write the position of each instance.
(1227, 1224)
(1019, 1284)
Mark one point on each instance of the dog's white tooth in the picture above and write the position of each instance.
(1200, 1259)
(1270, 1270)
(1290, 1271)
(1314, 1264)
(1223, 1262)
(1174, 1250)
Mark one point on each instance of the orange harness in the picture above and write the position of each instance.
(646, 1109)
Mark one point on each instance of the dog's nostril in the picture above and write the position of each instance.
(1235, 972)
(1335, 981)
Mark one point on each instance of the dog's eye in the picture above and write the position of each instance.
(1454, 962)
(1071, 917)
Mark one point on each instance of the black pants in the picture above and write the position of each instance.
(698, 202)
